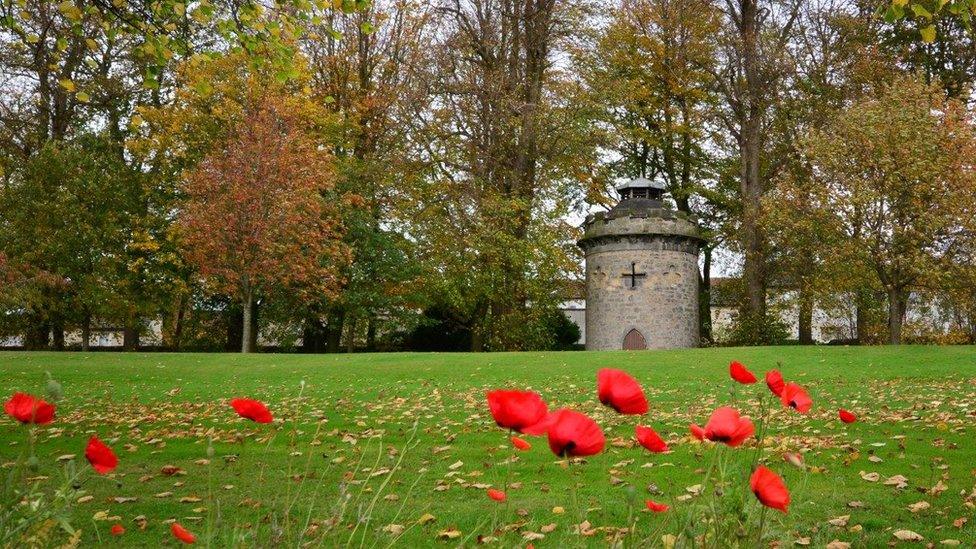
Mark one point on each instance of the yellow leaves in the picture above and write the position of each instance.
(67, 84)
(928, 34)
(426, 518)
(70, 10)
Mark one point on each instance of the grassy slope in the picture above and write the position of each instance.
(926, 394)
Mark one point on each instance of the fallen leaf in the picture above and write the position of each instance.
(840, 521)
(908, 535)
(870, 477)
(453, 533)
(919, 506)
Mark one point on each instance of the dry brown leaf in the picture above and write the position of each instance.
(907, 535)
(919, 506)
(840, 521)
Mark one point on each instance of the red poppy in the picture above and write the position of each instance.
(101, 457)
(182, 534)
(251, 409)
(496, 495)
(618, 390)
(521, 443)
(795, 397)
(774, 380)
(29, 409)
(648, 438)
(657, 507)
(697, 431)
(769, 489)
(574, 434)
(846, 417)
(728, 427)
(117, 530)
(522, 411)
(740, 373)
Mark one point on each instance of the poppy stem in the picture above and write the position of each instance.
(763, 422)
(762, 523)
(573, 490)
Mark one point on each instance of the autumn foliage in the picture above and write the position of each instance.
(255, 216)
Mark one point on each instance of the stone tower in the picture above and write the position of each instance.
(641, 273)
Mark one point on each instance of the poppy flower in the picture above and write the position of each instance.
(101, 457)
(728, 427)
(574, 434)
(29, 409)
(182, 534)
(769, 489)
(496, 495)
(656, 507)
(846, 417)
(795, 397)
(522, 411)
(117, 530)
(521, 443)
(251, 409)
(648, 438)
(697, 432)
(618, 390)
(774, 380)
(740, 373)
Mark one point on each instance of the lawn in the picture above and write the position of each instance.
(381, 449)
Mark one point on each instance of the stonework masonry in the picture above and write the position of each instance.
(662, 305)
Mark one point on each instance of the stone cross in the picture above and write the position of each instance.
(633, 275)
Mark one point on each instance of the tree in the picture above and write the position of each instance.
(903, 218)
(86, 196)
(255, 219)
(363, 70)
(507, 153)
(754, 41)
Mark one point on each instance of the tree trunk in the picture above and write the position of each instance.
(333, 333)
(351, 335)
(750, 185)
(130, 332)
(371, 333)
(178, 327)
(313, 335)
(57, 330)
(247, 345)
(805, 320)
(895, 312)
(86, 332)
(255, 322)
(705, 298)
(477, 340)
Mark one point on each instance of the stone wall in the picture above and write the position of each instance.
(663, 306)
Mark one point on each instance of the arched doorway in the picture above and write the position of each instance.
(634, 341)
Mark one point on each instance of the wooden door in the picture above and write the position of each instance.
(634, 341)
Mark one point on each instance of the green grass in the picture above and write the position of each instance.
(355, 416)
